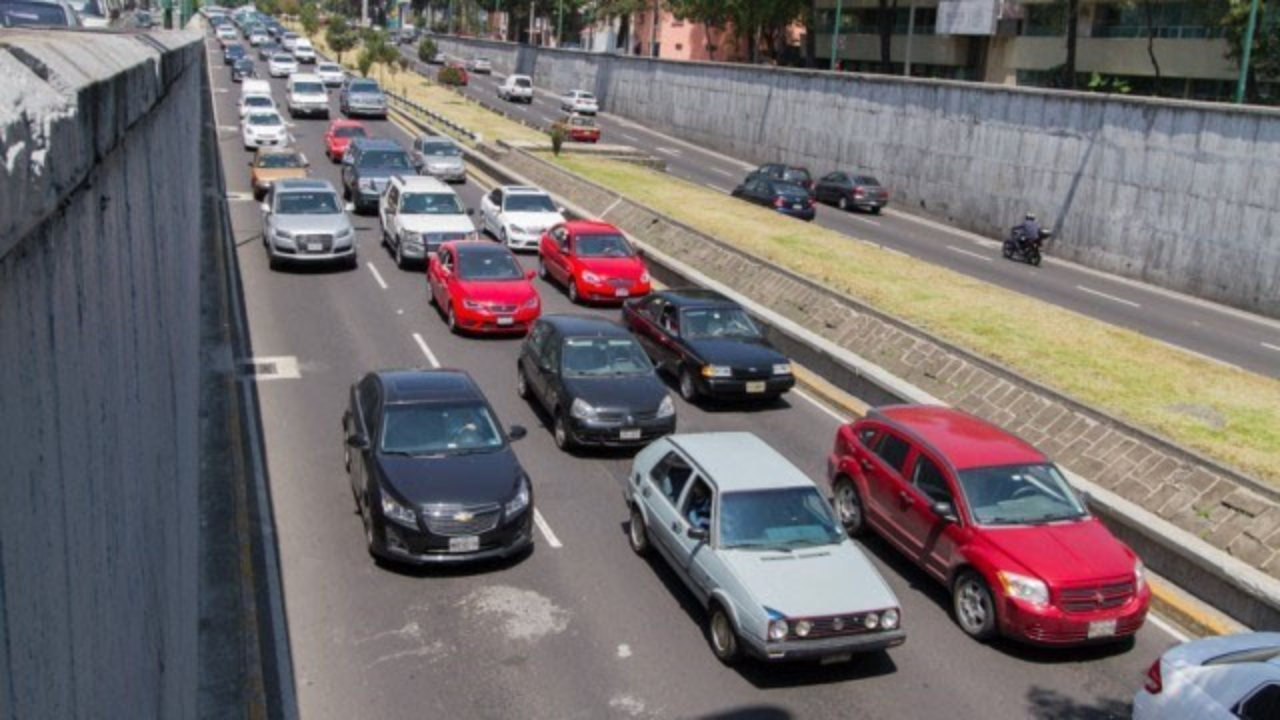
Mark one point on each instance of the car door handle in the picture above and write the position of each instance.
(907, 500)
(675, 526)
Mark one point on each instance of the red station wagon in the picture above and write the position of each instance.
(990, 516)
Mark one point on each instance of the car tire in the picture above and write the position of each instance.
(451, 320)
(400, 263)
(573, 292)
(843, 203)
(849, 506)
(542, 270)
(560, 432)
(974, 607)
(522, 383)
(721, 635)
(875, 211)
(366, 518)
(688, 388)
(502, 236)
(637, 535)
(273, 262)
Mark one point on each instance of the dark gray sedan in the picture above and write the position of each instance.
(848, 190)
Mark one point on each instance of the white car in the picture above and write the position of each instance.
(304, 52)
(1230, 677)
(288, 40)
(579, 101)
(282, 65)
(480, 66)
(331, 74)
(516, 88)
(263, 128)
(306, 95)
(518, 215)
(418, 214)
(226, 32)
(257, 37)
(256, 103)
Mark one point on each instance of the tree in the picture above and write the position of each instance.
(310, 19)
(1264, 59)
(427, 49)
(340, 37)
(374, 51)
(290, 8)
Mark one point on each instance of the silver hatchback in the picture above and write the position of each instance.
(439, 157)
(304, 221)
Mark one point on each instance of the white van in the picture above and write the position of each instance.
(304, 52)
(306, 95)
(254, 86)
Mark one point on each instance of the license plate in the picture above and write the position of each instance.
(505, 321)
(469, 543)
(621, 293)
(630, 434)
(797, 206)
(756, 386)
(1102, 628)
(314, 247)
(834, 659)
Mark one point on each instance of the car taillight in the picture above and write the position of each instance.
(1154, 683)
(859, 192)
(779, 201)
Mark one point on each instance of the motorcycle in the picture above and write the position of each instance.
(1026, 249)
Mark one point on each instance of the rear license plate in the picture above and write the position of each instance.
(834, 659)
(1102, 628)
(797, 206)
(630, 434)
(314, 247)
(621, 293)
(756, 386)
(469, 543)
(505, 321)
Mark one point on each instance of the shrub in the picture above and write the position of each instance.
(426, 50)
(558, 135)
(450, 75)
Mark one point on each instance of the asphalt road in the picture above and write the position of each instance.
(581, 628)
(1231, 336)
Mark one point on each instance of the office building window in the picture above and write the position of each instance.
(1175, 20)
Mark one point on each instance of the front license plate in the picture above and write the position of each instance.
(314, 247)
(756, 386)
(505, 321)
(1102, 628)
(630, 434)
(834, 659)
(621, 293)
(469, 543)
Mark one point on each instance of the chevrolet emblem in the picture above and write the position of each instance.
(464, 516)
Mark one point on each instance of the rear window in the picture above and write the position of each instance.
(796, 175)
(865, 180)
(13, 14)
(394, 159)
(364, 87)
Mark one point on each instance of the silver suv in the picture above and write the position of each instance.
(304, 221)
(439, 157)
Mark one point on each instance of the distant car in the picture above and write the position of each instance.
(143, 20)
(263, 128)
(339, 135)
(439, 157)
(304, 52)
(709, 344)
(367, 168)
(794, 174)
(992, 519)
(305, 94)
(243, 68)
(269, 49)
(255, 103)
(331, 73)
(432, 472)
(518, 215)
(594, 380)
(232, 52)
(40, 13)
(258, 36)
(579, 128)
(593, 261)
(754, 541)
(481, 288)
(362, 96)
(270, 165)
(1233, 676)
(579, 101)
(226, 32)
(516, 88)
(288, 40)
(848, 191)
(438, 58)
(453, 73)
(281, 65)
(480, 66)
(419, 214)
(304, 222)
(784, 197)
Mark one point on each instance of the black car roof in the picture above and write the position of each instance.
(684, 297)
(443, 385)
(579, 325)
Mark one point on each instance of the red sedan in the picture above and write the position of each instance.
(480, 287)
(594, 261)
(339, 136)
(988, 515)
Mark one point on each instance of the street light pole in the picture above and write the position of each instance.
(1248, 47)
(835, 34)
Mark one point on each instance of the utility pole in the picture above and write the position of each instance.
(364, 13)
(530, 22)
(835, 35)
(1248, 48)
(911, 31)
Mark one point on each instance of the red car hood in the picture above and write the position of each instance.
(339, 144)
(505, 292)
(1071, 553)
(622, 268)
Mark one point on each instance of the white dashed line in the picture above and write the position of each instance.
(717, 188)
(821, 406)
(632, 138)
(1112, 298)
(861, 219)
(1269, 346)
(552, 540)
(229, 128)
(1165, 626)
(718, 171)
(431, 357)
(970, 253)
(667, 150)
(383, 284)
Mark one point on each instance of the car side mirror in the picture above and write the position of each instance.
(517, 431)
(530, 274)
(945, 510)
(305, 161)
(697, 533)
(639, 252)
(346, 160)
(562, 211)
(356, 441)
(1085, 497)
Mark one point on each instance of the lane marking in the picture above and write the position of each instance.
(544, 118)
(725, 173)
(668, 151)
(861, 219)
(970, 253)
(717, 188)
(1269, 346)
(1168, 627)
(632, 138)
(377, 275)
(280, 367)
(229, 128)
(821, 406)
(552, 540)
(1112, 298)
(431, 357)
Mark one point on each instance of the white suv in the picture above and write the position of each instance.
(579, 101)
(304, 52)
(418, 214)
(306, 95)
(518, 215)
(517, 88)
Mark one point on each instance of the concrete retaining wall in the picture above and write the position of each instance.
(100, 222)
(1181, 195)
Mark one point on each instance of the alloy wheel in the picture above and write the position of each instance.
(849, 506)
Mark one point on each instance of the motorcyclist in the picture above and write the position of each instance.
(1028, 231)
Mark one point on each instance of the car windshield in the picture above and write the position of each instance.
(363, 87)
(244, 64)
(865, 180)
(391, 159)
(530, 203)
(441, 150)
(796, 176)
(586, 97)
(281, 58)
(308, 203)
(719, 322)
(349, 131)
(435, 428)
(579, 121)
(15, 12)
(488, 266)
(1019, 495)
(601, 246)
(309, 87)
(265, 119)
(430, 204)
(600, 357)
(782, 519)
(280, 160)
(259, 101)
(328, 68)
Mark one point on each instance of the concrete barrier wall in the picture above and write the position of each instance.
(1181, 195)
(100, 222)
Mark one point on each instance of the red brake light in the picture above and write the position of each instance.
(1155, 682)
(779, 202)
(859, 192)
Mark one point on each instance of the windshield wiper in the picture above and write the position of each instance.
(758, 546)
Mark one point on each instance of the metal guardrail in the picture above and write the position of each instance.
(405, 102)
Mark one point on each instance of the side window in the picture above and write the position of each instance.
(892, 450)
(670, 476)
(1263, 704)
(652, 308)
(367, 394)
(867, 437)
(928, 479)
(538, 338)
(446, 259)
(669, 321)
(696, 509)
(551, 353)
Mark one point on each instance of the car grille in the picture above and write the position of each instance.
(762, 372)
(620, 416)
(500, 308)
(1095, 597)
(434, 239)
(455, 520)
(825, 627)
(620, 283)
(326, 242)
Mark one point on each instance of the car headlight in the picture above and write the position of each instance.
(530, 303)
(1027, 589)
(1139, 575)
(666, 408)
(411, 237)
(344, 233)
(517, 230)
(367, 184)
(582, 409)
(777, 630)
(871, 621)
(889, 619)
(473, 305)
(716, 371)
(803, 627)
(285, 234)
(594, 279)
(518, 503)
(782, 368)
(393, 510)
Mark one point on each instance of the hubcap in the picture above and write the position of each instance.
(521, 388)
(848, 506)
(971, 606)
(637, 531)
(573, 292)
(686, 385)
(561, 433)
(720, 632)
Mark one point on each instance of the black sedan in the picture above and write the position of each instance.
(432, 472)
(244, 68)
(785, 197)
(595, 381)
(848, 190)
(267, 49)
(709, 343)
(232, 52)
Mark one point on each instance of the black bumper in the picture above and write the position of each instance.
(825, 648)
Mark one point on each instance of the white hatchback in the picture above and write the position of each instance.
(263, 128)
(331, 74)
(579, 101)
(1229, 677)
